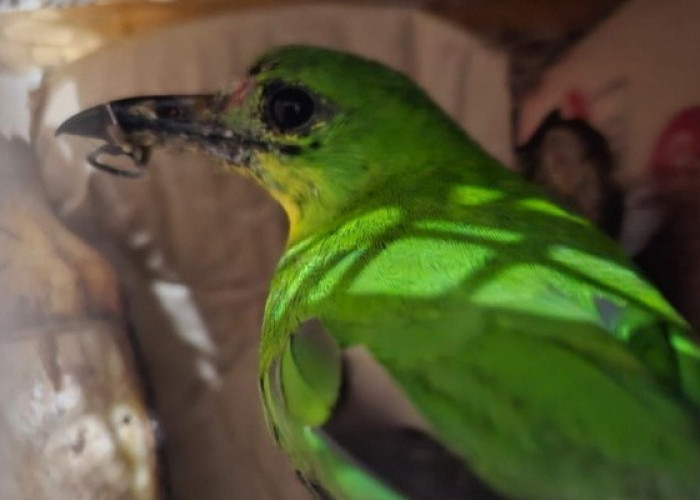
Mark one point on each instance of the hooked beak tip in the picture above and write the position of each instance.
(93, 123)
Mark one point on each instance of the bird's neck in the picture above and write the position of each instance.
(429, 174)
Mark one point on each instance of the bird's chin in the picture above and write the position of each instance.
(230, 153)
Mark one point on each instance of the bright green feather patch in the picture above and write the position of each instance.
(525, 338)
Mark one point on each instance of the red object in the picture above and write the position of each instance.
(575, 106)
(677, 150)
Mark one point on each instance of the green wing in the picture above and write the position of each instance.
(547, 410)
(557, 409)
(372, 444)
(560, 376)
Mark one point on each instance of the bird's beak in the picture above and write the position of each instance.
(134, 126)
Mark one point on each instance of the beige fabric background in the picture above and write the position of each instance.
(195, 248)
(637, 68)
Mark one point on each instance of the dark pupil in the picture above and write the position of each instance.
(289, 108)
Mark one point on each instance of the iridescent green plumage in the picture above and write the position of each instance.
(521, 346)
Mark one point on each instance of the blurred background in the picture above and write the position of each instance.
(130, 309)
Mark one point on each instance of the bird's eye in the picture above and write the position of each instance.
(288, 108)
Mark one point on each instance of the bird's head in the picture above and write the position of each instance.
(321, 130)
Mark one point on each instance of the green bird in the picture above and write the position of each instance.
(437, 327)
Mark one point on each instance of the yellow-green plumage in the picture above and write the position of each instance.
(530, 352)
(502, 317)
(510, 358)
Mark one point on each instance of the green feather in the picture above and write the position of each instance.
(525, 338)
